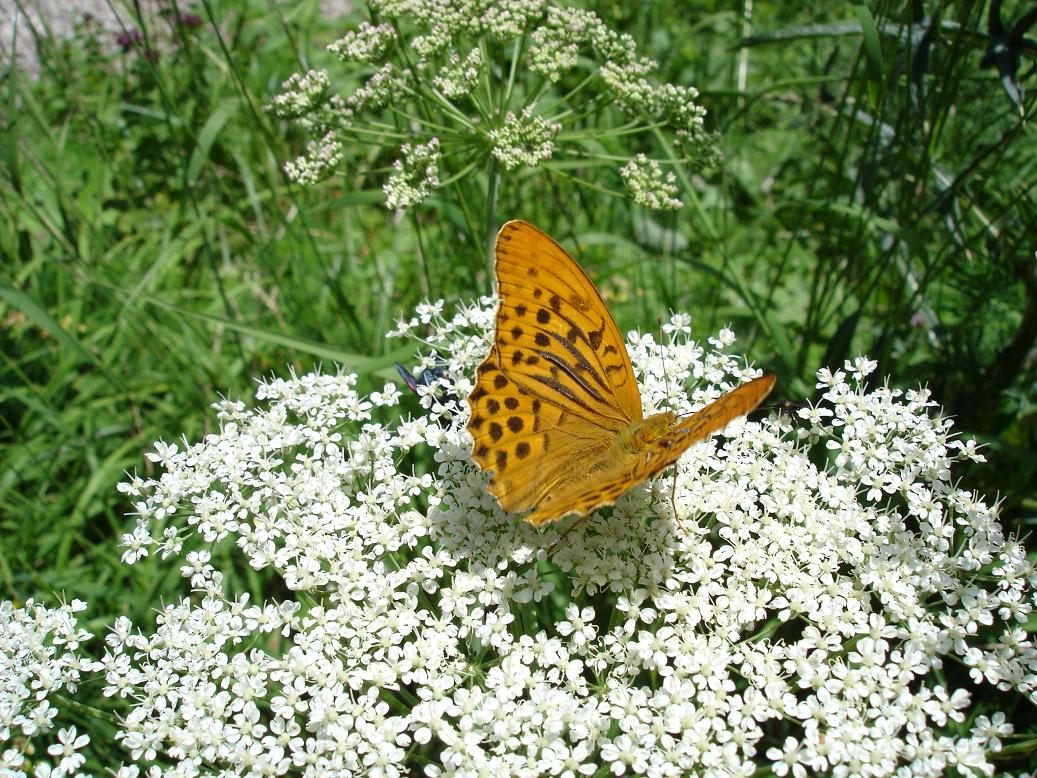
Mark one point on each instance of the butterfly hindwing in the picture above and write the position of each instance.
(603, 480)
(600, 481)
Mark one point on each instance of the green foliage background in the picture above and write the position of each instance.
(876, 196)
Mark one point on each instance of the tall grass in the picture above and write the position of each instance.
(877, 196)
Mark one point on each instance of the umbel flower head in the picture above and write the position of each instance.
(801, 609)
(40, 660)
(514, 84)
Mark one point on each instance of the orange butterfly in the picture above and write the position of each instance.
(555, 413)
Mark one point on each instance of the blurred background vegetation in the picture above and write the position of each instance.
(877, 196)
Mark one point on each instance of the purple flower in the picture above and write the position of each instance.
(130, 39)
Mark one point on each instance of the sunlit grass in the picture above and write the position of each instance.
(155, 257)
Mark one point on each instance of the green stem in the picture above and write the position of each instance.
(585, 183)
(692, 195)
(67, 703)
(492, 194)
(516, 53)
(568, 99)
(424, 277)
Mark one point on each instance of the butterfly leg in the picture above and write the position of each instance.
(564, 535)
(673, 499)
(666, 380)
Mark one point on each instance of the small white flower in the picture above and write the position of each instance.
(69, 743)
(415, 175)
(992, 729)
(525, 139)
(650, 188)
(821, 581)
(579, 625)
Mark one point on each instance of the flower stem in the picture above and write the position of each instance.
(492, 193)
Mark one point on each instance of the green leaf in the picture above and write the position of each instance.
(45, 322)
(209, 132)
(872, 54)
(361, 364)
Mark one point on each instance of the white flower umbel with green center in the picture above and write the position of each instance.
(524, 140)
(500, 87)
(803, 609)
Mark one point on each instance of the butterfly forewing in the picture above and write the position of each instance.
(519, 437)
(599, 481)
(555, 336)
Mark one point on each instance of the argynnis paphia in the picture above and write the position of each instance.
(556, 413)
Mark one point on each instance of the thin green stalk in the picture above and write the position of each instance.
(585, 183)
(690, 192)
(568, 98)
(462, 173)
(492, 194)
(423, 274)
(516, 54)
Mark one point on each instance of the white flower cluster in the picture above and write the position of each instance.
(301, 94)
(650, 188)
(797, 609)
(421, 64)
(369, 43)
(525, 139)
(509, 20)
(415, 174)
(40, 659)
(684, 114)
(321, 158)
(637, 95)
(457, 78)
(378, 90)
(630, 86)
(556, 45)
